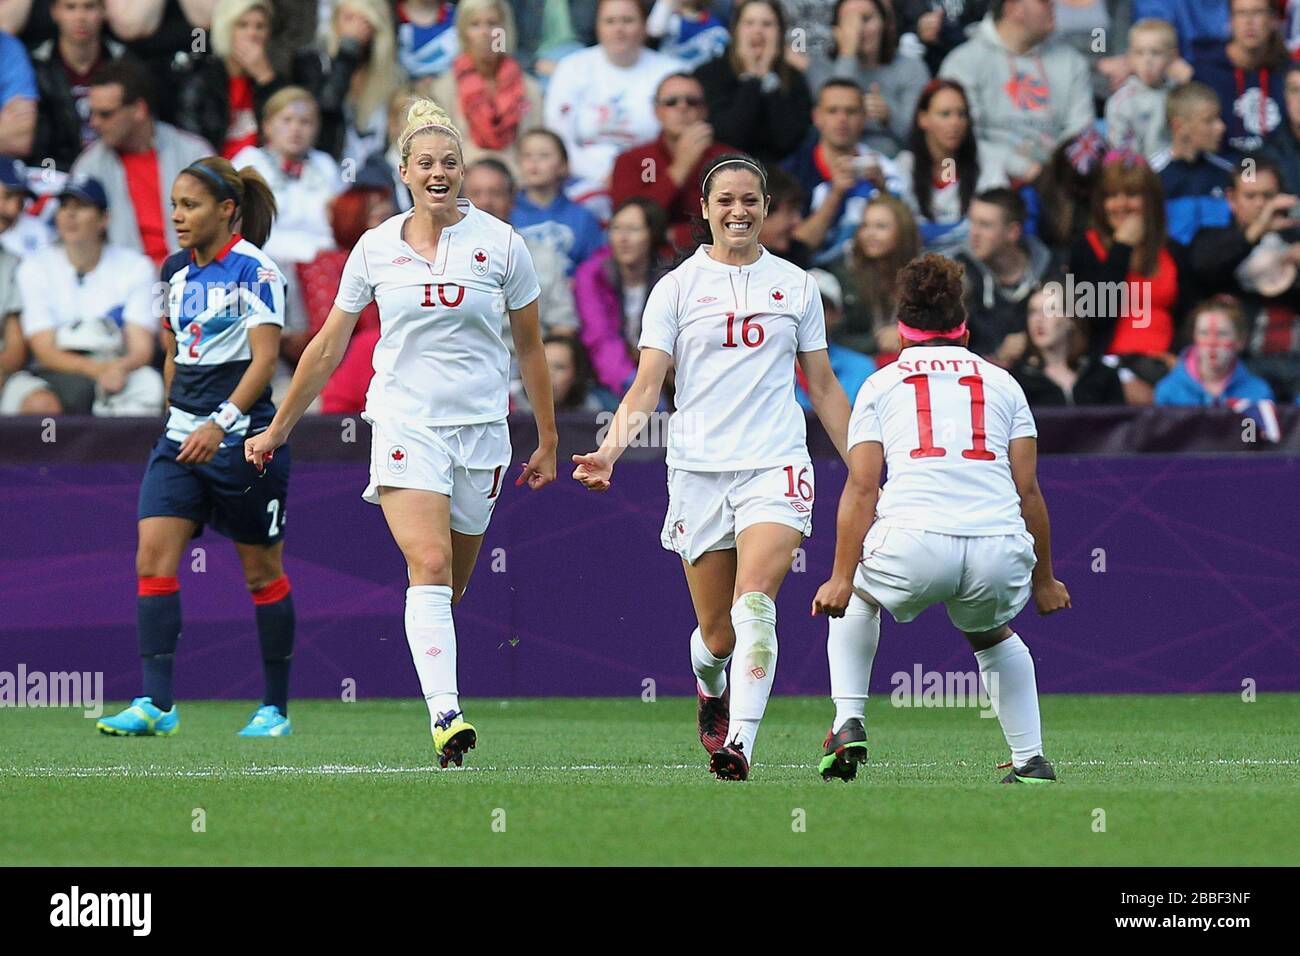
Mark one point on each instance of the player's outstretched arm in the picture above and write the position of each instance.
(1049, 594)
(857, 512)
(526, 330)
(319, 360)
(829, 399)
(595, 469)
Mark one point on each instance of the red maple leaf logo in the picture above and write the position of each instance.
(398, 456)
(778, 296)
(479, 257)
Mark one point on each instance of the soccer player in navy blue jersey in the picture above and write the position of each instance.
(225, 313)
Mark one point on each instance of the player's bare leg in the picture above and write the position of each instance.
(712, 581)
(420, 522)
(851, 643)
(1007, 670)
(464, 555)
(764, 553)
(273, 605)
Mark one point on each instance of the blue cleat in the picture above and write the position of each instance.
(268, 722)
(141, 719)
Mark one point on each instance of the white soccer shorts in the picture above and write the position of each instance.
(983, 581)
(708, 509)
(467, 463)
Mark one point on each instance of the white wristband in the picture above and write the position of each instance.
(226, 415)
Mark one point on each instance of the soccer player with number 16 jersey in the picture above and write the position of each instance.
(734, 320)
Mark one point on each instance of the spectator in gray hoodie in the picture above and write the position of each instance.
(1027, 92)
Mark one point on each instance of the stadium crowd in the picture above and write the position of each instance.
(1118, 177)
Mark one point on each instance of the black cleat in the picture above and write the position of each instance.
(1036, 770)
(729, 762)
(712, 717)
(843, 751)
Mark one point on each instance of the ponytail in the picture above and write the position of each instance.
(254, 202)
(257, 211)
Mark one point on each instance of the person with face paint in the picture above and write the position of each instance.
(739, 325)
(221, 333)
(444, 274)
(1209, 371)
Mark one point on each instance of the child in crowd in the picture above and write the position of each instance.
(688, 30)
(543, 213)
(1194, 178)
(1135, 115)
(426, 37)
(1209, 371)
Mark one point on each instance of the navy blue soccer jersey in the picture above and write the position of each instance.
(210, 310)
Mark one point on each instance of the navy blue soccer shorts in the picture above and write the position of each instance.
(227, 493)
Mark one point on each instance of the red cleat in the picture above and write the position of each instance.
(729, 762)
(712, 717)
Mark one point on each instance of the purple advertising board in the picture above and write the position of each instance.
(1184, 572)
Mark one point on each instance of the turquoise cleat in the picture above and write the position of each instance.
(141, 719)
(268, 722)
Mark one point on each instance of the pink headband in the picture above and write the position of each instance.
(921, 335)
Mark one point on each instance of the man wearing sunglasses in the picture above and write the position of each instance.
(668, 169)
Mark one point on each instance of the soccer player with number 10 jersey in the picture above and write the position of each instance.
(443, 275)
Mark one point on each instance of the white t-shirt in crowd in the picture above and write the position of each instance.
(600, 109)
(945, 418)
(87, 312)
(734, 333)
(301, 229)
(441, 358)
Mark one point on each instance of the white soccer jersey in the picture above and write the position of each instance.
(733, 333)
(441, 358)
(945, 418)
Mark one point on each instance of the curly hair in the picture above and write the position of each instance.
(930, 293)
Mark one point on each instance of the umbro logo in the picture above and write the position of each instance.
(707, 299)
(401, 260)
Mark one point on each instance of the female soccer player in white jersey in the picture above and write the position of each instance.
(950, 525)
(733, 319)
(443, 275)
(225, 312)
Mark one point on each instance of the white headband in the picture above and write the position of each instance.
(420, 129)
(742, 162)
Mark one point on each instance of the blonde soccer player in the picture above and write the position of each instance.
(961, 520)
(733, 320)
(442, 274)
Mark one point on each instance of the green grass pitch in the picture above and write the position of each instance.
(1181, 780)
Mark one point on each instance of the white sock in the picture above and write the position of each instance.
(431, 635)
(1007, 669)
(851, 648)
(753, 666)
(710, 671)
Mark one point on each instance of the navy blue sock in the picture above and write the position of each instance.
(158, 617)
(275, 625)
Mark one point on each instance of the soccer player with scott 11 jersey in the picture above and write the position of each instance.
(442, 274)
(733, 319)
(225, 312)
(960, 522)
